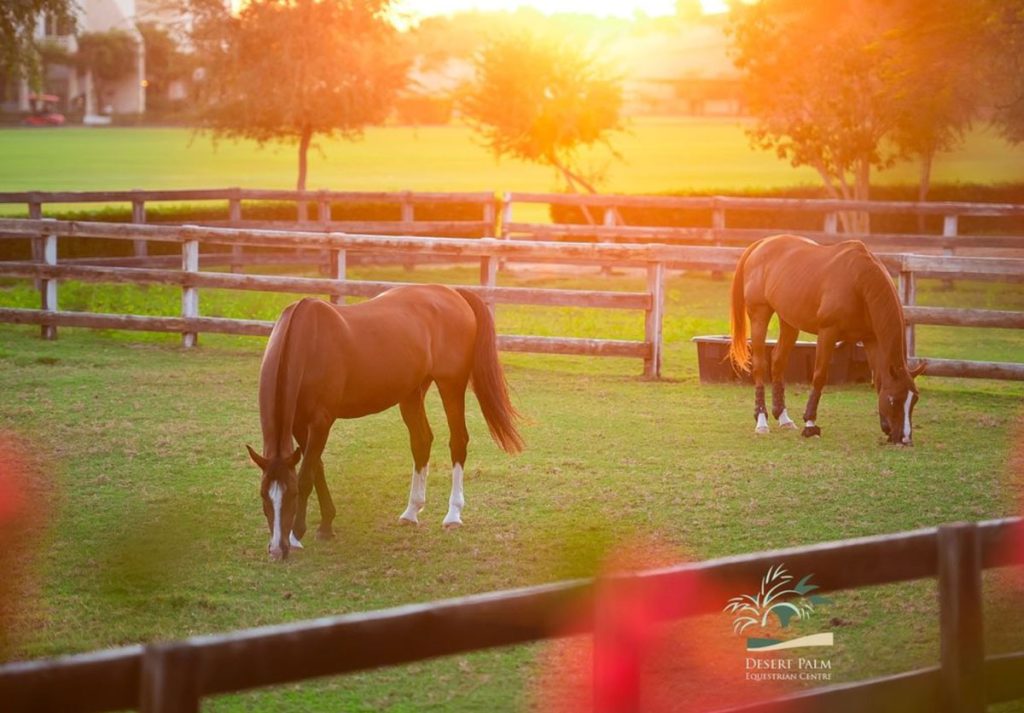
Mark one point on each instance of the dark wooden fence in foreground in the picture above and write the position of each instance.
(654, 258)
(173, 677)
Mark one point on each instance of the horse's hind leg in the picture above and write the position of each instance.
(453, 396)
(759, 318)
(420, 440)
(822, 357)
(780, 359)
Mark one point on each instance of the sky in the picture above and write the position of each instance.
(620, 8)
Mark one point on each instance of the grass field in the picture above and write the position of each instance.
(660, 155)
(156, 530)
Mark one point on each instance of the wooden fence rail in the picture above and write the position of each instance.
(609, 226)
(173, 677)
(654, 258)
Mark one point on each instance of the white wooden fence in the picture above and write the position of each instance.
(655, 258)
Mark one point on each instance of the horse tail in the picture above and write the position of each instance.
(281, 378)
(488, 379)
(739, 351)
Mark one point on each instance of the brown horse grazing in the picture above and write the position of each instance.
(839, 292)
(324, 362)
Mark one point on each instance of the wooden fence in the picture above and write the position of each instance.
(608, 224)
(173, 677)
(654, 258)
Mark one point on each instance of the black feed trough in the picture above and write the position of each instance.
(849, 363)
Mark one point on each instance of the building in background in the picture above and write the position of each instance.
(77, 91)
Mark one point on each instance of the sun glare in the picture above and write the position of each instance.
(619, 8)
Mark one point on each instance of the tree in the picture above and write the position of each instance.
(18, 20)
(108, 55)
(288, 70)
(1006, 66)
(849, 87)
(165, 64)
(543, 102)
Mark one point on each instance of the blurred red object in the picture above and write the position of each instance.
(643, 656)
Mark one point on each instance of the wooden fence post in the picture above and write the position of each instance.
(908, 296)
(48, 286)
(950, 225)
(340, 267)
(235, 217)
(654, 318)
(169, 681)
(489, 277)
(831, 223)
(140, 247)
(408, 216)
(962, 646)
(491, 218)
(35, 212)
(717, 227)
(301, 207)
(189, 293)
(609, 221)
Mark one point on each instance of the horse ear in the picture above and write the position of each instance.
(919, 369)
(295, 457)
(257, 458)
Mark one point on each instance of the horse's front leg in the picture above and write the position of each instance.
(822, 358)
(311, 470)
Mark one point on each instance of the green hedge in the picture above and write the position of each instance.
(789, 220)
(283, 211)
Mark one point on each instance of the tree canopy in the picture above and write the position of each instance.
(18, 19)
(287, 70)
(847, 88)
(543, 101)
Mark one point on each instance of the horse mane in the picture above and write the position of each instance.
(886, 314)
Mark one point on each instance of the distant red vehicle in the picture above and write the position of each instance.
(44, 111)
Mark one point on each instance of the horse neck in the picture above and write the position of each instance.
(886, 315)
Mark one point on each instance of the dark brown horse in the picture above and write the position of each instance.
(324, 362)
(839, 292)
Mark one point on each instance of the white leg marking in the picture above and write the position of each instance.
(457, 501)
(785, 421)
(906, 417)
(294, 541)
(762, 424)
(809, 424)
(276, 496)
(417, 495)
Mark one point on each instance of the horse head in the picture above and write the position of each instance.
(279, 490)
(896, 400)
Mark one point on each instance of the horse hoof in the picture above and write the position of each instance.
(451, 523)
(324, 533)
(406, 520)
(811, 432)
(761, 430)
(787, 425)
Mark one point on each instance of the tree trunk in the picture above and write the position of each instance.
(924, 184)
(304, 139)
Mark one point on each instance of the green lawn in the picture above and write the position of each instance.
(156, 529)
(660, 155)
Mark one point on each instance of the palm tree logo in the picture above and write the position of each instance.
(783, 599)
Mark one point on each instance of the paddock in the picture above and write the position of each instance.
(144, 445)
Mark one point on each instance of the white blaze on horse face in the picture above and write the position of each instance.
(457, 501)
(906, 416)
(276, 498)
(417, 495)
